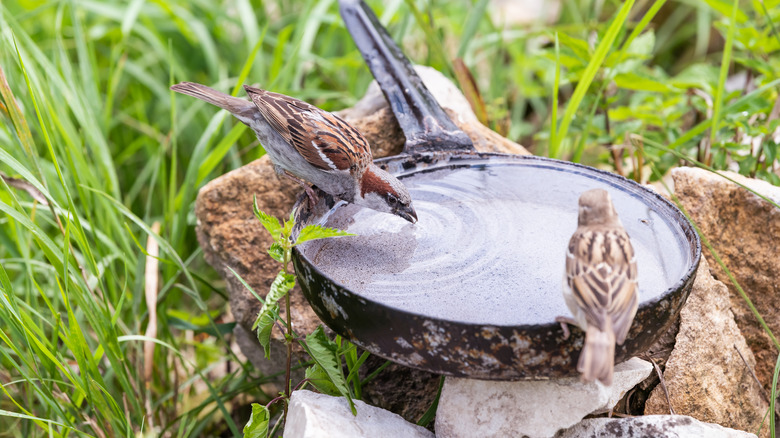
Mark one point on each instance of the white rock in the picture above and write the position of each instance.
(514, 13)
(650, 426)
(534, 408)
(313, 415)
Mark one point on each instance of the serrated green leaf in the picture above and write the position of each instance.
(324, 352)
(313, 232)
(320, 380)
(578, 46)
(264, 325)
(257, 426)
(270, 223)
(279, 288)
(288, 226)
(276, 251)
(265, 319)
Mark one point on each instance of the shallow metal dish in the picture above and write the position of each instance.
(507, 331)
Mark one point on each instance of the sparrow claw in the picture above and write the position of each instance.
(310, 195)
(309, 190)
(564, 321)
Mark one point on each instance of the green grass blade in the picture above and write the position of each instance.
(717, 102)
(588, 75)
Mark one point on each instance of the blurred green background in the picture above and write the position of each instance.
(95, 149)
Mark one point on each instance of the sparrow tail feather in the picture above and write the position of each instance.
(241, 108)
(597, 359)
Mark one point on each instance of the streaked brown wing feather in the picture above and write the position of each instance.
(601, 272)
(304, 125)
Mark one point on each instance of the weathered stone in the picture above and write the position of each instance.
(705, 375)
(313, 415)
(231, 237)
(745, 231)
(650, 426)
(534, 408)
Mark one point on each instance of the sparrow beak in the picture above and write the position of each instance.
(407, 213)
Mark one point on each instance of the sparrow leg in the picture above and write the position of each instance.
(565, 321)
(309, 190)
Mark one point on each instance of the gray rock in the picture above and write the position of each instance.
(313, 415)
(745, 231)
(650, 426)
(705, 375)
(534, 408)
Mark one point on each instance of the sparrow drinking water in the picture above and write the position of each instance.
(306, 143)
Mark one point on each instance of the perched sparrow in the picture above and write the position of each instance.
(600, 285)
(309, 144)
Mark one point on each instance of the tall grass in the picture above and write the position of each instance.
(104, 147)
(95, 150)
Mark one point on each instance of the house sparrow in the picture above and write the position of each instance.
(306, 143)
(600, 286)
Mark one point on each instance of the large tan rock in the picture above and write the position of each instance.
(745, 231)
(231, 237)
(705, 375)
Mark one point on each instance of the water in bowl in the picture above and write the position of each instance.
(489, 246)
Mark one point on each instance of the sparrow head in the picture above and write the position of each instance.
(596, 209)
(380, 191)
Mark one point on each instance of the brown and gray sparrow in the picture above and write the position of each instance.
(600, 286)
(309, 144)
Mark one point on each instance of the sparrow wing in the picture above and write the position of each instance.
(323, 139)
(601, 272)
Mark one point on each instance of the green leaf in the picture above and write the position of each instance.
(276, 251)
(264, 325)
(288, 226)
(697, 76)
(634, 81)
(270, 223)
(223, 328)
(312, 232)
(578, 46)
(279, 288)
(257, 426)
(320, 380)
(642, 45)
(724, 8)
(325, 355)
(265, 319)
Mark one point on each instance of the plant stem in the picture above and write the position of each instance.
(289, 337)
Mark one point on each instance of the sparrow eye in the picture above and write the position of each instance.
(391, 199)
